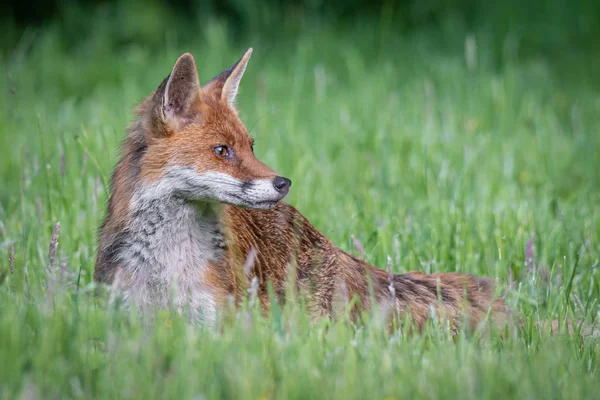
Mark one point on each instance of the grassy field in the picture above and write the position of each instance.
(446, 148)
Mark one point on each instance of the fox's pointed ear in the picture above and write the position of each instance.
(178, 92)
(225, 86)
(230, 89)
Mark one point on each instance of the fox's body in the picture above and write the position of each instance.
(194, 216)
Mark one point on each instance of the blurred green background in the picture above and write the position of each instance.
(448, 135)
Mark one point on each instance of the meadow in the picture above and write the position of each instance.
(448, 147)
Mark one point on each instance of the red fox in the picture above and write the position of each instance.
(190, 205)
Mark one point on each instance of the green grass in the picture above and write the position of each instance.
(442, 160)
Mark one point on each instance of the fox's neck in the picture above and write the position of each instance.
(168, 248)
(175, 231)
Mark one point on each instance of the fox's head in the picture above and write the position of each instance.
(198, 148)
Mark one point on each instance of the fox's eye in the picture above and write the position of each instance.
(221, 151)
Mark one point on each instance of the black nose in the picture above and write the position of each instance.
(282, 184)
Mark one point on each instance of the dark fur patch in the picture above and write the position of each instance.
(437, 290)
(160, 92)
(246, 186)
(138, 151)
(407, 288)
(118, 243)
(485, 285)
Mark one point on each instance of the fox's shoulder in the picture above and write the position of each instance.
(282, 219)
(274, 233)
